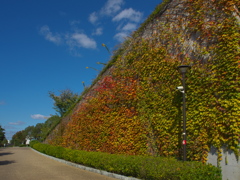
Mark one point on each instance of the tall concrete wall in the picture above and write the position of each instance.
(230, 164)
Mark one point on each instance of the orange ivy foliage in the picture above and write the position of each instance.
(104, 121)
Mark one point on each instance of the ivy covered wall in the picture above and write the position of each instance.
(133, 107)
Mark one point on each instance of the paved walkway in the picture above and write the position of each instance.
(24, 164)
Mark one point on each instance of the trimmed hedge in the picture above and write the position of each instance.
(143, 167)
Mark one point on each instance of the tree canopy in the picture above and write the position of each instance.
(64, 101)
(38, 132)
(2, 134)
(18, 138)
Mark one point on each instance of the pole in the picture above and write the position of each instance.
(184, 119)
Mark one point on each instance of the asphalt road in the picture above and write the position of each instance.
(24, 164)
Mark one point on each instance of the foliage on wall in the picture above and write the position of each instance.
(135, 109)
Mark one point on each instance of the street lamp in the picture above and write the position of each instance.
(183, 70)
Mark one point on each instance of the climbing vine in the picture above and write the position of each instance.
(135, 109)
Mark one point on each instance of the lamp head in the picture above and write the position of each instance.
(183, 68)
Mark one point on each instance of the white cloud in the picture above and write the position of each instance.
(120, 36)
(124, 30)
(39, 116)
(128, 20)
(73, 40)
(81, 40)
(17, 123)
(45, 31)
(93, 17)
(129, 27)
(111, 7)
(129, 14)
(98, 31)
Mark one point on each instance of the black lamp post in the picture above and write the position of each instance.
(183, 70)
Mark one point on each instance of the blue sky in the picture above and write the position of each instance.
(46, 45)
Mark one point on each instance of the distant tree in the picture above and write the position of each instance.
(28, 132)
(18, 138)
(49, 125)
(37, 131)
(2, 135)
(5, 141)
(64, 101)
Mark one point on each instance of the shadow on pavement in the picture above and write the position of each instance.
(5, 153)
(6, 162)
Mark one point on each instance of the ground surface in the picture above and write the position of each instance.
(24, 164)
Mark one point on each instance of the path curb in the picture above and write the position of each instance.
(105, 173)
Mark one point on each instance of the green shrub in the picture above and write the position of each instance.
(22, 145)
(33, 142)
(143, 167)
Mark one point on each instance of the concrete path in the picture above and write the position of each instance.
(24, 164)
